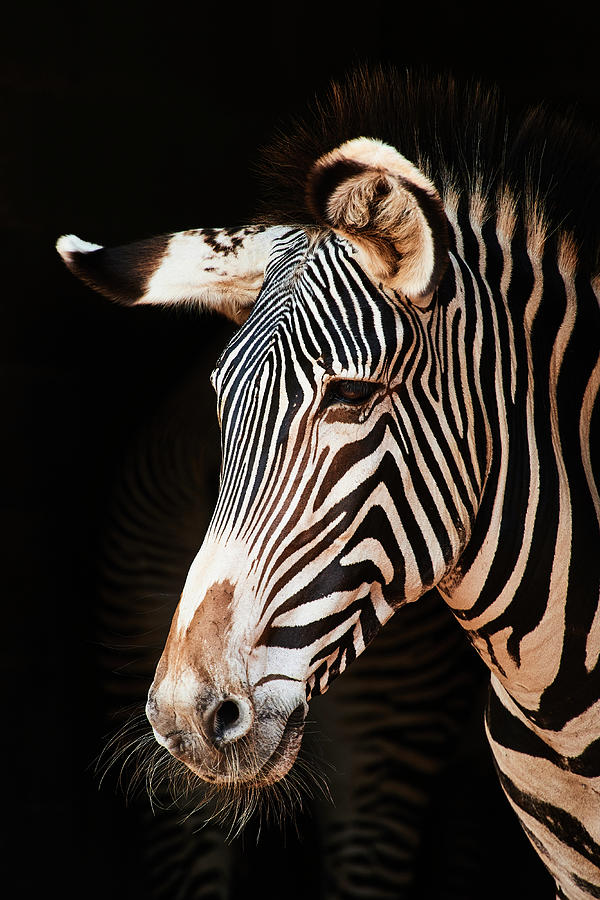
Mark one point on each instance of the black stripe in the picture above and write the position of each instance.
(561, 824)
(510, 732)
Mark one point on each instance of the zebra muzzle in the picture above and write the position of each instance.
(231, 738)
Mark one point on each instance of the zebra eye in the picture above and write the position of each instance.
(353, 393)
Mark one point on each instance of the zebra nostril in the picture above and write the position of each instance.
(231, 720)
(226, 715)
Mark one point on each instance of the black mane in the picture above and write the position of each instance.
(461, 135)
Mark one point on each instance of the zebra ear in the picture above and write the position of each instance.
(222, 269)
(371, 195)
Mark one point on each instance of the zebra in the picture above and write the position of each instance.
(410, 403)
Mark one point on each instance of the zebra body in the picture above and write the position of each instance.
(412, 403)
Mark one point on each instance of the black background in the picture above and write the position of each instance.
(120, 122)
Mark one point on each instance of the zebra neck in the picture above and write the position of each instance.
(524, 589)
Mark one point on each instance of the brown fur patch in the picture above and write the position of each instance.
(214, 611)
(202, 645)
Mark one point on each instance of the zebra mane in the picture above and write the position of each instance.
(545, 166)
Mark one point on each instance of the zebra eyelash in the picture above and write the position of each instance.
(350, 392)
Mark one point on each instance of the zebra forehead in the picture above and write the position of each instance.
(317, 303)
(316, 272)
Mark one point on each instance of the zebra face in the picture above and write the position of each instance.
(325, 523)
(316, 537)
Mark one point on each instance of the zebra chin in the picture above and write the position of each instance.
(247, 744)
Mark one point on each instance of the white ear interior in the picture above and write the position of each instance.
(369, 193)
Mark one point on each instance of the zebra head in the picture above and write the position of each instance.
(327, 519)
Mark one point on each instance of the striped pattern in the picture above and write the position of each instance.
(299, 477)
(527, 587)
